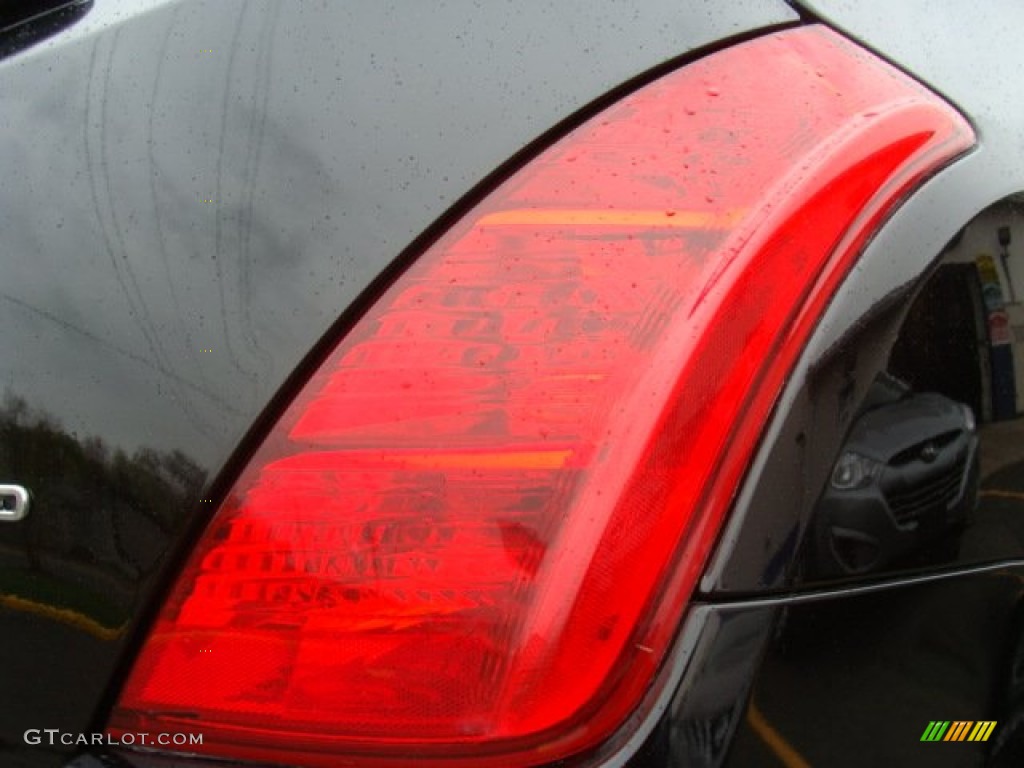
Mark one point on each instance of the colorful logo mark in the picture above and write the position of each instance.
(958, 730)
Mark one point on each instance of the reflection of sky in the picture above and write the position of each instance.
(227, 176)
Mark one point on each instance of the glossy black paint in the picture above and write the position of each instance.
(118, 276)
(854, 679)
(24, 23)
(700, 724)
(851, 677)
(194, 193)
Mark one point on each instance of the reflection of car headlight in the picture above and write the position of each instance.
(854, 471)
(969, 421)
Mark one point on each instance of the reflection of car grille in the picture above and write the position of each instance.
(937, 493)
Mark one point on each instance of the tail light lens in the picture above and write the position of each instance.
(472, 535)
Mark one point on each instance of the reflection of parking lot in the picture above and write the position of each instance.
(998, 530)
(853, 681)
(938, 649)
(1002, 444)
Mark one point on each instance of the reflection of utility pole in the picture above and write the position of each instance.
(1004, 256)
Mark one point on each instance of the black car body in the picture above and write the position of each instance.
(200, 198)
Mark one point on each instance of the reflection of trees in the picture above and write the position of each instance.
(92, 505)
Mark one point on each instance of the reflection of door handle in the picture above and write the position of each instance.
(13, 503)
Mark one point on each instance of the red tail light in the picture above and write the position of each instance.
(473, 534)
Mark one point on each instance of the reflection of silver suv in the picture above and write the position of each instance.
(906, 478)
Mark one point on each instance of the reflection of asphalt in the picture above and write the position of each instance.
(854, 681)
(863, 676)
(74, 664)
(59, 621)
(1002, 444)
(998, 529)
(1008, 480)
(67, 591)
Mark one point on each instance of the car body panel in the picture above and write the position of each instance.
(854, 677)
(200, 191)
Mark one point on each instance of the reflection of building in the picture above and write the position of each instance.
(1003, 390)
(1015, 314)
(981, 287)
(943, 345)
